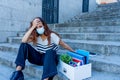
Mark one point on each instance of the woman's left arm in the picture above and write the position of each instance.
(64, 45)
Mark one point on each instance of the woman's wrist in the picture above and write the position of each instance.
(33, 27)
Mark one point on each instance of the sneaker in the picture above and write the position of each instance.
(17, 75)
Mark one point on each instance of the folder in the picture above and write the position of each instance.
(78, 56)
(84, 53)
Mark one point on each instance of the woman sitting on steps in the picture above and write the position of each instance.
(41, 52)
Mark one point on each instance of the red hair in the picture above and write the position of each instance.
(47, 31)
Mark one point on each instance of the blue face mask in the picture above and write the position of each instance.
(40, 30)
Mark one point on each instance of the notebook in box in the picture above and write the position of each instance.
(78, 56)
(84, 53)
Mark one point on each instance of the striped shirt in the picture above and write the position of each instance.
(42, 45)
(43, 48)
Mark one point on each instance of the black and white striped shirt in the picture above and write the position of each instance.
(42, 46)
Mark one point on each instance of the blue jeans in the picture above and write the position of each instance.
(48, 60)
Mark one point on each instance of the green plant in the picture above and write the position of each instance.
(66, 58)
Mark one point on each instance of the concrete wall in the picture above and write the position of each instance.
(92, 5)
(68, 9)
(15, 15)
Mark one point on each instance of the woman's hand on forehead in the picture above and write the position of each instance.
(37, 23)
(37, 20)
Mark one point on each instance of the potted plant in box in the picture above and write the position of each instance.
(66, 58)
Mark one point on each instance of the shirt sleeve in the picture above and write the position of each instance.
(55, 38)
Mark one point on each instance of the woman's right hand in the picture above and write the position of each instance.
(34, 24)
(28, 33)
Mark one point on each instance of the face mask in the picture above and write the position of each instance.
(40, 30)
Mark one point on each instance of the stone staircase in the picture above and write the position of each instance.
(108, 12)
(91, 31)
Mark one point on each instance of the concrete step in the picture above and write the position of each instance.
(99, 75)
(106, 64)
(14, 39)
(79, 36)
(9, 47)
(115, 22)
(20, 34)
(103, 15)
(110, 6)
(98, 18)
(78, 28)
(99, 47)
(103, 12)
(92, 36)
(5, 73)
(100, 13)
(8, 58)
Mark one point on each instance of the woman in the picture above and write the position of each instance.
(42, 52)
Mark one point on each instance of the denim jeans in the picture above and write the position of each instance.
(48, 60)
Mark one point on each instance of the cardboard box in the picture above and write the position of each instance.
(75, 73)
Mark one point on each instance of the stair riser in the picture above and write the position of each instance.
(109, 12)
(101, 15)
(110, 6)
(96, 37)
(8, 49)
(33, 72)
(79, 24)
(7, 62)
(20, 34)
(101, 23)
(97, 48)
(99, 37)
(14, 40)
(97, 29)
(105, 8)
(97, 18)
(101, 66)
